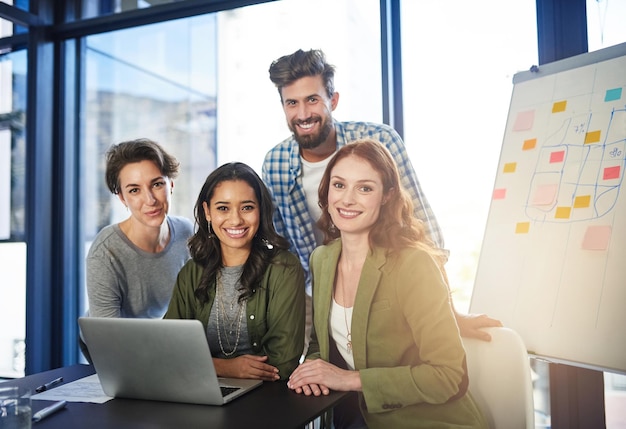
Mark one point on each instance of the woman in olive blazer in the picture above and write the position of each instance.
(383, 321)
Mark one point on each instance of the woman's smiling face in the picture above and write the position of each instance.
(355, 195)
(235, 216)
(146, 192)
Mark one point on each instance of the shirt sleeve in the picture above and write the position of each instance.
(284, 339)
(183, 303)
(103, 289)
(279, 224)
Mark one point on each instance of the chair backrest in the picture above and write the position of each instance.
(500, 379)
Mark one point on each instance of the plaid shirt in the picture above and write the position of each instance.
(282, 173)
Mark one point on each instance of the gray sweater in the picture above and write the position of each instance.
(125, 281)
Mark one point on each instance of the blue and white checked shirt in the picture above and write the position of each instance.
(282, 173)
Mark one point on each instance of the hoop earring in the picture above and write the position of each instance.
(211, 234)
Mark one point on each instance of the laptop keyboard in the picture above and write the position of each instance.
(228, 390)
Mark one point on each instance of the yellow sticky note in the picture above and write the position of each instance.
(522, 227)
(592, 137)
(509, 167)
(582, 201)
(559, 106)
(563, 212)
(529, 144)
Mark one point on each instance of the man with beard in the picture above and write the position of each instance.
(293, 169)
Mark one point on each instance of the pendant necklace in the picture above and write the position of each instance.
(345, 314)
(219, 296)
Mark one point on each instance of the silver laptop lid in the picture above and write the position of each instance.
(155, 359)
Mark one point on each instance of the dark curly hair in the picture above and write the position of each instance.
(205, 247)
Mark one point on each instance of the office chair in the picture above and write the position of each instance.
(500, 379)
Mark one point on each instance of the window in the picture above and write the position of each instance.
(605, 23)
(459, 59)
(12, 199)
(7, 28)
(91, 8)
(458, 67)
(250, 119)
(21, 4)
(156, 82)
(200, 86)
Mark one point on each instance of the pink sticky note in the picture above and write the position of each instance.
(557, 156)
(544, 195)
(499, 194)
(524, 120)
(597, 237)
(611, 173)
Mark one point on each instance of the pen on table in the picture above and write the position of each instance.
(41, 414)
(47, 386)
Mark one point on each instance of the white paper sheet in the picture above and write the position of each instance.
(87, 389)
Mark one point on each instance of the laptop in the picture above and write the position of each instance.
(157, 359)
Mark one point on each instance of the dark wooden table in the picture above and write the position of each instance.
(271, 405)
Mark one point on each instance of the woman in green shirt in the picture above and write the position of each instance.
(242, 283)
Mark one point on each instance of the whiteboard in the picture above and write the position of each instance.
(553, 260)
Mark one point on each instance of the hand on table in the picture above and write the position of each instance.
(246, 366)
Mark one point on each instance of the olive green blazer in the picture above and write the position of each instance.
(405, 340)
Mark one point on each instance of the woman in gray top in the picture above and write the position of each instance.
(132, 265)
(242, 282)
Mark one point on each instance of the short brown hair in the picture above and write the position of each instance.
(289, 68)
(121, 154)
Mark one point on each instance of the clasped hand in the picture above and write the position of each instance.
(316, 377)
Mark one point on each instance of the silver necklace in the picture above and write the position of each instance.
(219, 296)
(349, 336)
